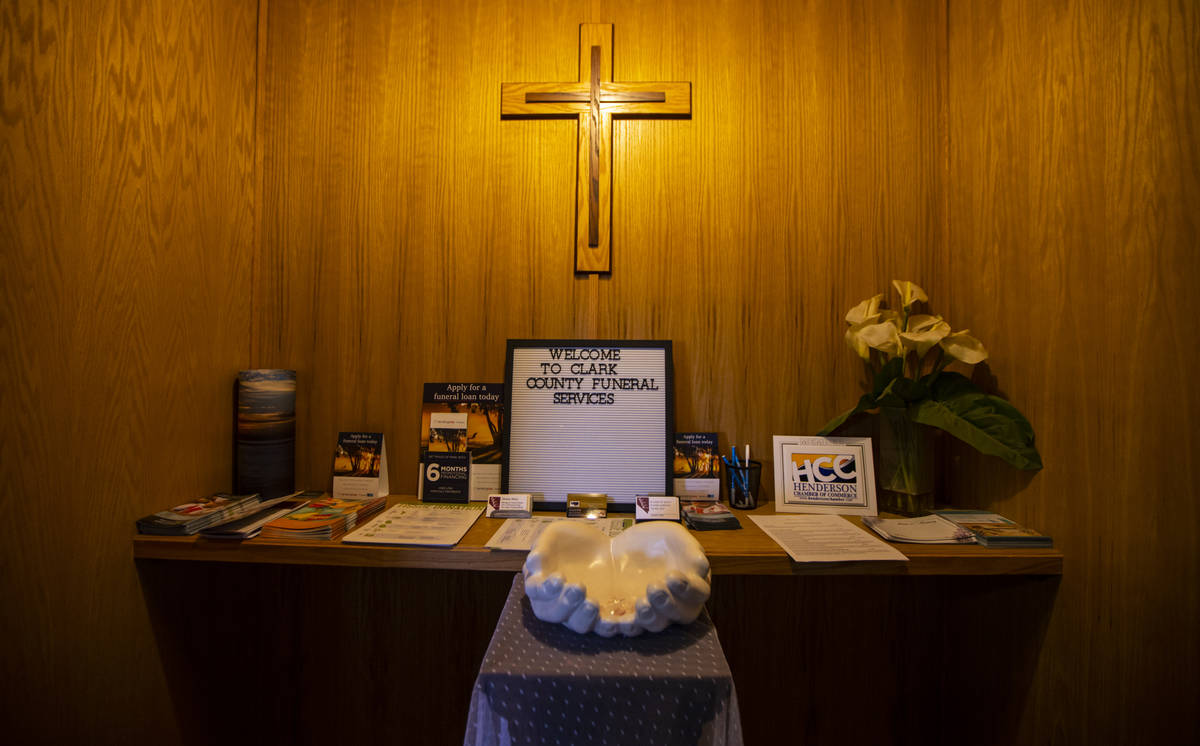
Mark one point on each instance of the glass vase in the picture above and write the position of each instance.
(904, 465)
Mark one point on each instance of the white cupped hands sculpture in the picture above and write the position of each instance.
(643, 579)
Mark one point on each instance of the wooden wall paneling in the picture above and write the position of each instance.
(450, 247)
(1075, 190)
(744, 234)
(737, 227)
(737, 231)
(839, 182)
(127, 235)
(806, 179)
(406, 232)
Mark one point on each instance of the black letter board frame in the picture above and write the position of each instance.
(534, 448)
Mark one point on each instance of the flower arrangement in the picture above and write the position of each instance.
(906, 354)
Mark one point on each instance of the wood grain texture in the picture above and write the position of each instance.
(593, 193)
(571, 99)
(595, 99)
(413, 235)
(1033, 165)
(408, 234)
(1074, 211)
(902, 645)
(603, 262)
(565, 99)
(293, 639)
(126, 137)
(647, 99)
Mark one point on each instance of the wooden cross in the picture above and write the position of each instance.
(594, 100)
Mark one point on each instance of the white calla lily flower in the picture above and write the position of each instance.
(910, 292)
(923, 333)
(864, 311)
(884, 336)
(920, 322)
(905, 368)
(962, 346)
(855, 340)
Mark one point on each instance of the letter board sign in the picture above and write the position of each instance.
(589, 416)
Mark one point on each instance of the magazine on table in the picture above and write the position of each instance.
(191, 517)
(250, 525)
(323, 519)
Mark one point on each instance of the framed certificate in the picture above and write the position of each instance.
(589, 416)
(824, 475)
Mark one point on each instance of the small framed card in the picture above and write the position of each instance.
(824, 475)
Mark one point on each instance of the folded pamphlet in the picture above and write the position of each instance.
(926, 529)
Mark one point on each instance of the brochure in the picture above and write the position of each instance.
(482, 407)
(926, 529)
(697, 466)
(418, 525)
(360, 466)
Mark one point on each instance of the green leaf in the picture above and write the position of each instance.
(866, 402)
(901, 392)
(890, 371)
(987, 423)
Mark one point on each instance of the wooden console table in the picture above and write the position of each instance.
(745, 552)
(824, 629)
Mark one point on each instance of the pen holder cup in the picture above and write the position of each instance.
(739, 484)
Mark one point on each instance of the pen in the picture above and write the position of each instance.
(741, 477)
